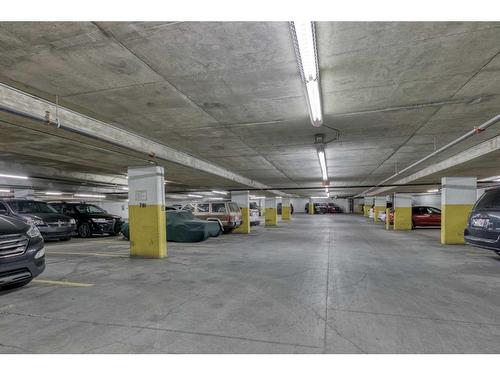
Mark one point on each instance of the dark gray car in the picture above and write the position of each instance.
(52, 224)
(22, 256)
(483, 226)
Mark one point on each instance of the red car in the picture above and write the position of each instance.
(423, 216)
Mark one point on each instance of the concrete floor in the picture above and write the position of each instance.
(334, 284)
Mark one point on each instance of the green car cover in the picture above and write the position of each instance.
(183, 226)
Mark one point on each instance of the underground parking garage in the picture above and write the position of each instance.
(249, 187)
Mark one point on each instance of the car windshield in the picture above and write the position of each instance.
(89, 209)
(31, 207)
(233, 207)
(490, 200)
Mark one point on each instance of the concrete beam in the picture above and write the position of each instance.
(18, 102)
(477, 151)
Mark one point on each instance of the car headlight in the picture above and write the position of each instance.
(72, 221)
(40, 254)
(33, 231)
(30, 220)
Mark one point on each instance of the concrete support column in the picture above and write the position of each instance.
(286, 211)
(147, 222)
(380, 205)
(387, 218)
(367, 206)
(311, 207)
(458, 195)
(402, 212)
(243, 200)
(271, 212)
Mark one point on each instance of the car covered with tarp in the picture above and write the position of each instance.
(183, 226)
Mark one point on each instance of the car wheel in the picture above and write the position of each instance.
(227, 231)
(65, 239)
(84, 230)
(16, 285)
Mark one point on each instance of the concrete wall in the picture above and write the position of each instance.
(119, 208)
(431, 199)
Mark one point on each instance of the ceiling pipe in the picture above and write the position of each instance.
(462, 138)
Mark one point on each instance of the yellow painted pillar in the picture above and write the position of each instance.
(368, 201)
(387, 218)
(402, 212)
(147, 222)
(286, 211)
(311, 207)
(271, 212)
(380, 205)
(242, 198)
(458, 195)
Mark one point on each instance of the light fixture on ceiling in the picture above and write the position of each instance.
(90, 196)
(53, 193)
(320, 149)
(215, 199)
(219, 192)
(304, 42)
(433, 190)
(13, 176)
(255, 197)
(4, 191)
(195, 196)
(492, 178)
(318, 197)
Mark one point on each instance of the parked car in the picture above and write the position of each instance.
(90, 219)
(319, 208)
(332, 208)
(228, 213)
(483, 225)
(52, 224)
(423, 216)
(22, 255)
(183, 226)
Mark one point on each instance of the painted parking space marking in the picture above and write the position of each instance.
(62, 283)
(85, 254)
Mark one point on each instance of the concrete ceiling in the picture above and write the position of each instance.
(230, 93)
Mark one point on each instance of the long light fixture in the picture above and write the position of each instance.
(219, 192)
(53, 193)
(304, 42)
(90, 196)
(322, 162)
(4, 191)
(195, 196)
(13, 176)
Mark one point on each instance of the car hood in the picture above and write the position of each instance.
(49, 217)
(103, 216)
(11, 225)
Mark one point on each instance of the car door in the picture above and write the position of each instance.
(419, 216)
(434, 216)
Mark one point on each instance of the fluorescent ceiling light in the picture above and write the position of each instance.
(322, 163)
(219, 192)
(13, 176)
(90, 195)
(216, 199)
(254, 197)
(195, 196)
(53, 193)
(326, 190)
(304, 37)
(318, 197)
(432, 190)
(124, 187)
(492, 178)
(4, 191)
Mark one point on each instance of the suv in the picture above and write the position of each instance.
(22, 256)
(228, 213)
(483, 225)
(90, 219)
(51, 224)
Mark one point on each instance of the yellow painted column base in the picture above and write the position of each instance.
(387, 218)
(271, 217)
(148, 231)
(311, 209)
(402, 218)
(453, 222)
(286, 213)
(366, 211)
(244, 228)
(376, 211)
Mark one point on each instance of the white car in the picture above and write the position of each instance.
(381, 216)
(254, 216)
